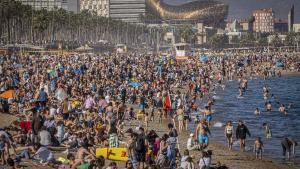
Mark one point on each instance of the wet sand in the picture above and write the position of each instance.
(232, 159)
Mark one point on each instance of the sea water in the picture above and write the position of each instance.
(230, 107)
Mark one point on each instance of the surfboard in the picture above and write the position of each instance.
(116, 154)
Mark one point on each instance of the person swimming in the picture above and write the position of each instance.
(265, 89)
(282, 109)
(265, 96)
(257, 111)
(240, 92)
(290, 105)
(268, 131)
(269, 106)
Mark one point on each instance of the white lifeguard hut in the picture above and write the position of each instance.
(182, 51)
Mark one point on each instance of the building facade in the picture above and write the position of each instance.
(69, 5)
(296, 27)
(247, 25)
(100, 7)
(204, 33)
(127, 10)
(45, 4)
(263, 20)
(291, 19)
(281, 26)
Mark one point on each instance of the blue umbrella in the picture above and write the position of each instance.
(203, 58)
(135, 84)
(279, 64)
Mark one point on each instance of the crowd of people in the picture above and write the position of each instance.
(74, 104)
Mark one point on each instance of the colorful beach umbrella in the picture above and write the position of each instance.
(203, 58)
(279, 64)
(7, 94)
(135, 84)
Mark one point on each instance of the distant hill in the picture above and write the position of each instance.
(244, 8)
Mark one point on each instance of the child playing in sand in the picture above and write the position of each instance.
(258, 148)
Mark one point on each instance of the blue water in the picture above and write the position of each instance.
(229, 107)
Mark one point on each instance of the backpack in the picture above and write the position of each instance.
(140, 144)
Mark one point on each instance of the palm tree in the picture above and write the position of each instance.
(19, 23)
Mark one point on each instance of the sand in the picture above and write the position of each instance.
(232, 159)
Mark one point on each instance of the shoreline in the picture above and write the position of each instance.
(233, 159)
(248, 156)
(290, 73)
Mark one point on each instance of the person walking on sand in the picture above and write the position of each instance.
(229, 134)
(241, 132)
(180, 118)
(202, 132)
(258, 148)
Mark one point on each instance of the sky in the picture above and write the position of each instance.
(241, 9)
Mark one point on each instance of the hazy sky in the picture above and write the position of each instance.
(244, 8)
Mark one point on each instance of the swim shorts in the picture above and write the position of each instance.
(228, 135)
(203, 138)
(209, 118)
(258, 151)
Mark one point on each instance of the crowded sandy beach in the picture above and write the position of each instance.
(134, 110)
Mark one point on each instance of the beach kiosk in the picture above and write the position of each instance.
(121, 48)
(182, 51)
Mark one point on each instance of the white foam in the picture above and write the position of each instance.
(218, 124)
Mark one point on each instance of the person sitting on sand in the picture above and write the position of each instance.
(205, 160)
(186, 161)
(191, 143)
(82, 155)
